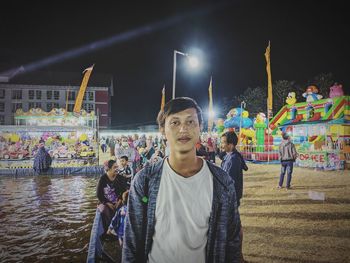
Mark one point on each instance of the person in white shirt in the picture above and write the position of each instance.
(181, 208)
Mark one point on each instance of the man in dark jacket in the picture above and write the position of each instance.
(234, 164)
(287, 155)
(42, 160)
(182, 208)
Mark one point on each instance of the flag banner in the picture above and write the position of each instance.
(210, 109)
(269, 81)
(80, 96)
(162, 102)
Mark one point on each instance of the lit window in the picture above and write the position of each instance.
(91, 95)
(38, 94)
(49, 94)
(31, 94)
(16, 94)
(71, 95)
(56, 95)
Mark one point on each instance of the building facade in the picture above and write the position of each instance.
(14, 96)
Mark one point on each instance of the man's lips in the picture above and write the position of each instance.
(184, 139)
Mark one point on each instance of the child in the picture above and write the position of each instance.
(116, 226)
(125, 170)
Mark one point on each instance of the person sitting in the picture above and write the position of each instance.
(109, 190)
(42, 160)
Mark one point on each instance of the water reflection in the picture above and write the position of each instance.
(46, 219)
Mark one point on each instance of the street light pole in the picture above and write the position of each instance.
(174, 68)
(243, 104)
(174, 74)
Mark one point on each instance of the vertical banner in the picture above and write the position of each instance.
(80, 96)
(162, 102)
(269, 82)
(210, 109)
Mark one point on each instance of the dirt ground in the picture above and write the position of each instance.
(288, 225)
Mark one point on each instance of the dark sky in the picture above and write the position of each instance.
(307, 38)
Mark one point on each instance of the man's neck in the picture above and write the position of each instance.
(185, 165)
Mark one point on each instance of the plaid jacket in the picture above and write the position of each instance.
(223, 244)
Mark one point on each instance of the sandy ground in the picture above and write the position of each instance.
(290, 225)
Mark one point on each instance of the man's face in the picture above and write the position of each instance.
(114, 167)
(123, 162)
(182, 130)
(226, 147)
(124, 142)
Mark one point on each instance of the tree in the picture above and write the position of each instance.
(280, 90)
(323, 82)
(255, 100)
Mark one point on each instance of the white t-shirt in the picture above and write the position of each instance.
(182, 216)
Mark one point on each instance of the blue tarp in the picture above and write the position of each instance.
(85, 170)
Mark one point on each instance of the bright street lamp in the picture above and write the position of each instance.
(193, 61)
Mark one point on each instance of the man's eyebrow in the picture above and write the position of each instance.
(186, 117)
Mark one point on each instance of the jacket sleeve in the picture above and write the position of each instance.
(235, 172)
(294, 152)
(133, 245)
(233, 248)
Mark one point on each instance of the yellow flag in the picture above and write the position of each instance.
(210, 109)
(80, 96)
(162, 102)
(269, 81)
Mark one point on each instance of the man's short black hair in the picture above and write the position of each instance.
(125, 158)
(110, 163)
(231, 137)
(285, 136)
(176, 105)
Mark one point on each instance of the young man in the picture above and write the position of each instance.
(287, 154)
(233, 163)
(125, 170)
(182, 208)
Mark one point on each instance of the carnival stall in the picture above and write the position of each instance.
(320, 128)
(69, 138)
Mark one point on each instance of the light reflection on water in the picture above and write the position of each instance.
(46, 218)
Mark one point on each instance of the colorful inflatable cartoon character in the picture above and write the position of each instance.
(311, 94)
(220, 125)
(234, 119)
(336, 90)
(291, 99)
(260, 118)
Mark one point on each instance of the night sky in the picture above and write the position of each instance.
(307, 38)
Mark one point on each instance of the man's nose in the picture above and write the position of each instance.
(183, 127)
